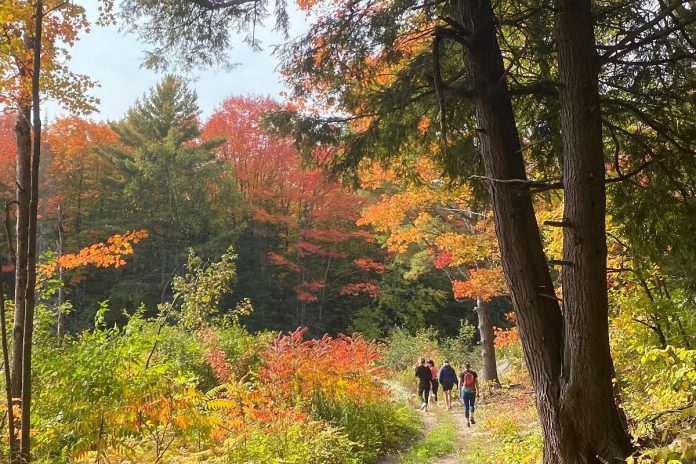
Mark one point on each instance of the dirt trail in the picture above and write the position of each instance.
(463, 434)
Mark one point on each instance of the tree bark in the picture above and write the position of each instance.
(522, 255)
(60, 317)
(557, 356)
(8, 381)
(23, 186)
(25, 438)
(485, 326)
(587, 398)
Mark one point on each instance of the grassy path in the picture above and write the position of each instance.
(445, 436)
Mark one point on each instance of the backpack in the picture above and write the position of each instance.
(469, 379)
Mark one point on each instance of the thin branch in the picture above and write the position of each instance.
(630, 174)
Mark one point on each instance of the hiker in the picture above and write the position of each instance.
(433, 381)
(424, 378)
(448, 379)
(468, 391)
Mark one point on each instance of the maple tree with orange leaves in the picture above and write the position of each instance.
(311, 217)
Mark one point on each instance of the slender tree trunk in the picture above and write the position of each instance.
(8, 381)
(485, 326)
(25, 439)
(555, 370)
(61, 290)
(12, 425)
(586, 405)
(23, 187)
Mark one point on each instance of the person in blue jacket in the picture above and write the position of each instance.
(448, 379)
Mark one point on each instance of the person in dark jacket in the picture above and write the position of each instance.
(424, 377)
(448, 379)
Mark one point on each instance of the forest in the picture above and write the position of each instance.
(506, 184)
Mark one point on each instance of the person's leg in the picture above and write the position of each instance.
(466, 397)
(472, 406)
(421, 390)
(426, 396)
(435, 388)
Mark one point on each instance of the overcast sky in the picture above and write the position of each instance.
(113, 59)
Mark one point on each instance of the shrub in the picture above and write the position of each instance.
(379, 427)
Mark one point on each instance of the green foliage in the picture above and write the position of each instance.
(440, 440)
(198, 293)
(406, 299)
(292, 443)
(85, 388)
(403, 349)
(160, 177)
(510, 433)
(380, 427)
(192, 34)
(460, 349)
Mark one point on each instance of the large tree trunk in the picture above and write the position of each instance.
(541, 323)
(587, 397)
(485, 326)
(522, 254)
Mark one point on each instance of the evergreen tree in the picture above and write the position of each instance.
(166, 181)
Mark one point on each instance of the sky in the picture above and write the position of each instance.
(114, 58)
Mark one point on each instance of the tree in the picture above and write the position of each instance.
(430, 215)
(303, 223)
(540, 320)
(162, 178)
(30, 67)
(78, 173)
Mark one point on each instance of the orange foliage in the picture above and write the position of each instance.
(505, 337)
(311, 215)
(330, 368)
(482, 284)
(103, 254)
(76, 169)
(8, 153)
(428, 215)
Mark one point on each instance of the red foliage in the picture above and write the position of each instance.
(355, 289)
(307, 291)
(8, 153)
(311, 215)
(369, 265)
(442, 260)
(329, 368)
(214, 355)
